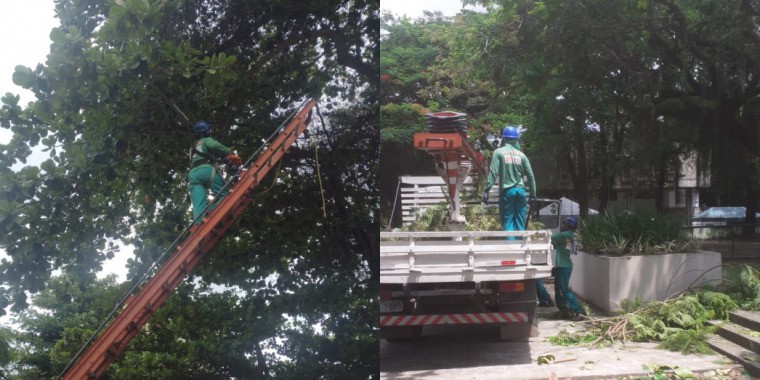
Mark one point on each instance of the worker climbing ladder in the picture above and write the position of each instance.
(200, 239)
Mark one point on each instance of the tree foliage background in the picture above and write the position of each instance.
(605, 88)
(297, 286)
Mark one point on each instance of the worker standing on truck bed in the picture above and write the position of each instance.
(510, 165)
(203, 176)
(564, 244)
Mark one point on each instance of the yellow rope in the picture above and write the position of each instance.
(274, 180)
(319, 177)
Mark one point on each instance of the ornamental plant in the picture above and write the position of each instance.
(634, 233)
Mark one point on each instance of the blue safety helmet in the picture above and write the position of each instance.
(510, 132)
(201, 128)
(571, 222)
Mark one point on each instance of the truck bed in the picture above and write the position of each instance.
(464, 256)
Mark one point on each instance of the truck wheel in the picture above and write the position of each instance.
(400, 334)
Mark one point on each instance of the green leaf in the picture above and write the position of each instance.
(23, 76)
(10, 99)
(43, 111)
(57, 35)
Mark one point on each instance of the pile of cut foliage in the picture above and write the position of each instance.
(678, 324)
(478, 219)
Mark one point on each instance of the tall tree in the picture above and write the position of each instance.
(427, 66)
(680, 75)
(302, 259)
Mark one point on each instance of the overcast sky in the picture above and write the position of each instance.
(414, 8)
(24, 40)
(25, 27)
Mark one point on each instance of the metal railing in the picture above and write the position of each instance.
(728, 239)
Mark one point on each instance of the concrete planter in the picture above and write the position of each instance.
(606, 281)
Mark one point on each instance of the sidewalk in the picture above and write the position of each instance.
(622, 361)
(469, 352)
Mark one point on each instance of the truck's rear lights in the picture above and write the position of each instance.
(511, 286)
(385, 295)
(508, 263)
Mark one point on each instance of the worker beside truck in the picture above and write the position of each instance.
(564, 245)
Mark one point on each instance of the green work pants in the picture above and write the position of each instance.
(543, 295)
(564, 296)
(200, 180)
(513, 205)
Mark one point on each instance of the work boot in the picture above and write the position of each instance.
(544, 303)
(577, 317)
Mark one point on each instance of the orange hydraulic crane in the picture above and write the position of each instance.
(455, 160)
(202, 237)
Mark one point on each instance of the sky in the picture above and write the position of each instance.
(414, 8)
(25, 27)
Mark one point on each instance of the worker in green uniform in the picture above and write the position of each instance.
(203, 176)
(510, 165)
(564, 244)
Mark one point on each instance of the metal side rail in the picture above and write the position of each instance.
(457, 256)
(140, 307)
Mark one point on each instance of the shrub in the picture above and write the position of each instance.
(637, 233)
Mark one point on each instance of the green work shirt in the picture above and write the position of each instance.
(561, 242)
(210, 147)
(510, 164)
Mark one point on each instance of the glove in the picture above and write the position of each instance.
(485, 196)
(233, 160)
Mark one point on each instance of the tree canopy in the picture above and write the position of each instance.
(110, 109)
(604, 88)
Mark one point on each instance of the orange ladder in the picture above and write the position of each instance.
(140, 307)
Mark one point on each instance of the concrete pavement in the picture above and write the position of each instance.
(475, 352)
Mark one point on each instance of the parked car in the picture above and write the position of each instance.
(720, 216)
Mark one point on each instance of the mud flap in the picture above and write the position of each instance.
(520, 332)
(394, 334)
(523, 331)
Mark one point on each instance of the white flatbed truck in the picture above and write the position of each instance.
(461, 277)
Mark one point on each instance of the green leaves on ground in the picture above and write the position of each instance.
(678, 324)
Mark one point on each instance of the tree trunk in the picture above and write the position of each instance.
(262, 361)
(662, 171)
(748, 230)
(580, 182)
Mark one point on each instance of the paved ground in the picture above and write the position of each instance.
(473, 352)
